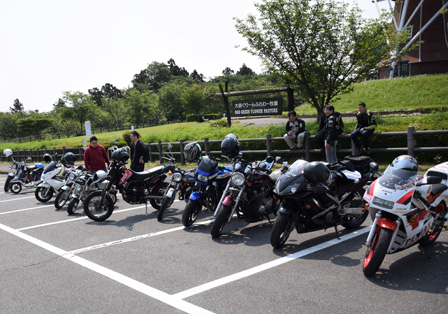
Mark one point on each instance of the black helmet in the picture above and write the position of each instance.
(316, 172)
(68, 159)
(47, 158)
(192, 151)
(230, 146)
(120, 155)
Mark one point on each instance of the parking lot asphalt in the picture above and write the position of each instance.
(51, 262)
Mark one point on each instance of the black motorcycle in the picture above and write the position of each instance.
(315, 196)
(135, 187)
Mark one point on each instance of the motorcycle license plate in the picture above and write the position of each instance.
(170, 192)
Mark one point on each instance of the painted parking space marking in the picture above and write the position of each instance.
(268, 265)
(122, 279)
(25, 209)
(17, 199)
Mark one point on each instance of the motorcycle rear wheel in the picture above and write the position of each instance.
(191, 212)
(376, 251)
(354, 221)
(61, 198)
(158, 190)
(43, 194)
(93, 209)
(6, 187)
(221, 219)
(72, 206)
(15, 187)
(166, 203)
(433, 234)
(281, 230)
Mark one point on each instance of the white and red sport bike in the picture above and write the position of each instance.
(406, 208)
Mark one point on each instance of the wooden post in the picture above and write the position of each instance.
(290, 98)
(151, 159)
(81, 155)
(307, 146)
(160, 151)
(268, 144)
(353, 147)
(38, 155)
(206, 147)
(182, 157)
(411, 141)
(63, 150)
(226, 104)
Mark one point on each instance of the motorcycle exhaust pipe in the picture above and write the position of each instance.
(354, 211)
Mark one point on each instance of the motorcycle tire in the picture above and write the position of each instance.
(221, 219)
(15, 188)
(191, 212)
(72, 206)
(281, 230)
(158, 190)
(43, 194)
(376, 251)
(61, 198)
(91, 206)
(114, 197)
(166, 203)
(433, 234)
(354, 221)
(6, 187)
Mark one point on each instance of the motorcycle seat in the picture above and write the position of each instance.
(30, 168)
(275, 174)
(438, 188)
(149, 173)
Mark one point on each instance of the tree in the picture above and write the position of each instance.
(196, 76)
(193, 99)
(9, 128)
(110, 91)
(35, 124)
(152, 77)
(96, 95)
(81, 109)
(137, 106)
(59, 104)
(227, 72)
(115, 110)
(176, 70)
(319, 46)
(244, 70)
(17, 107)
(170, 99)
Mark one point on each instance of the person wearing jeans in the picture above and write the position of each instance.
(331, 136)
(295, 130)
(365, 127)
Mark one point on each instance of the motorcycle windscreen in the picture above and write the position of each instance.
(293, 180)
(51, 166)
(208, 165)
(399, 179)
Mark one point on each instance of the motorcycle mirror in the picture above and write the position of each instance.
(374, 166)
(430, 180)
(28, 159)
(170, 146)
(278, 159)
(269, 159)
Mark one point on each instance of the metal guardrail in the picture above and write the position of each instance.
(156, 149)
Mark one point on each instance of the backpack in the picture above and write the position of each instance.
(145, 155)
(339, 123)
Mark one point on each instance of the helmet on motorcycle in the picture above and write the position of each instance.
(47, 158)
(192, 151)
(99, 174)
(405, 162)
(68, 159)
(230, 146)
(316, 172)
(7, 152)
(120, 155)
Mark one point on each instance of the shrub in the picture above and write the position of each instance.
(219, 123)
(127, 137)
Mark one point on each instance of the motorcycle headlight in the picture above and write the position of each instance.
(238, 179)
(78, 188)
(72, 177)
(383, 203)
(202, 178)
(177, 177)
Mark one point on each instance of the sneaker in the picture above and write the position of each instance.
(367, 151)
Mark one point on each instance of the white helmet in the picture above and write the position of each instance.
(405, 162)
(7, 152)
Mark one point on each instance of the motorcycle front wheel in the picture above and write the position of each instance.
(6, 187)
(158, 190)
(281, 230)
(221, 219)
(43, 194)
(96, 211)
(72, 206)
(376, 251)
(61, 198)
(15, 188)
(166, 203)
(191, 212)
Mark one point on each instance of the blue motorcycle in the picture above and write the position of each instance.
(211, 180)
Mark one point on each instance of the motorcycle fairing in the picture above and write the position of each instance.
(387, 223)
(195, 195)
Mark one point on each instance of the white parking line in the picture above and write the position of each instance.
(25, 209)
(17, 199)
(268, 265)
(127, 281)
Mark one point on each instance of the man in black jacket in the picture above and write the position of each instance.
(331, 135)
(138, 152)
(365, 127)
(295, 130)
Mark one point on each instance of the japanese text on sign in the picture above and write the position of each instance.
(257, 107)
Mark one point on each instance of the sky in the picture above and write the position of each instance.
(49, 47)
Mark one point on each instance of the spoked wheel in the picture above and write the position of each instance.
(166, 203)
(15, 187)
(95, 210)
(437, 226)
(6, 187)
(72, 206)
(283, 226)
(158, 190)
(43, 194)
(221, 219)
(61, 198)
(191, 212)
(376, 251)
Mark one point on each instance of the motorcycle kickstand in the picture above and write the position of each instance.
(146, 210)
(336, 231)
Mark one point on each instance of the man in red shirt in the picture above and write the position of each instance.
(95, 156)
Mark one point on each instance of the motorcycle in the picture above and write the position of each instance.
(249, 193)
(315, 196)
(406, 209)
(135, 187)
(50, 182)
(211, 178)
(63, 196)
(181, 183)
(13, 169)
(27, 176)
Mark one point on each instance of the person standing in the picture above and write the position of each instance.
(320, 135)
(95, 156)
(295, 130)
(138, 152)
(365, 127)
(331, 135)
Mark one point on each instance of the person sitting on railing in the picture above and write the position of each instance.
(365, 127)
(295, 129)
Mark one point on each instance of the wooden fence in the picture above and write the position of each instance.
(156, 149)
